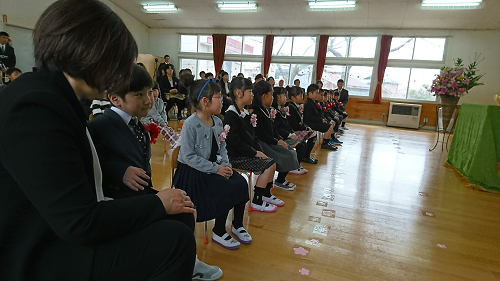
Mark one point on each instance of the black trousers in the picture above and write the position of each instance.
(180, 105)
(164, 250)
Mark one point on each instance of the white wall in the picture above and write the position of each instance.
(460, 44)
(23, 14)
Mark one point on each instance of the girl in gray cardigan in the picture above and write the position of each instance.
(204, 171)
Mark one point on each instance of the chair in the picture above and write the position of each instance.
(249, 175)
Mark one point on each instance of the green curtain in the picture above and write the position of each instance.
(475, 148)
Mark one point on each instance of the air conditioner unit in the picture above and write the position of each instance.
(404, 115)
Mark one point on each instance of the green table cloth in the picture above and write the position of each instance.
(475, 148)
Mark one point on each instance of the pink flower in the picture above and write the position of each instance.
(273, 113)
(286, 109)
(223, 135)
(443, 91)
(253, 120)
(444, 81)
(454, 85)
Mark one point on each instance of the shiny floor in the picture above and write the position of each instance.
(381, 208)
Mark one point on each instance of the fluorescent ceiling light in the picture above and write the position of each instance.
(159, 9)
(451, 4)
(237, 7)
(332, 5)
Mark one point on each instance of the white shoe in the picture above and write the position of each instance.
(273, 200)
(298, 171)
(242, 235)
(303, 169)
(265, 207)
(224, 241)
(203, 271)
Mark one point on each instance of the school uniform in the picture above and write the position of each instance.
(286, 158)
(313, 116)
(242, 144)
(119, 147)
(201, 153)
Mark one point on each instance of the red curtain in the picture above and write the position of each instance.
(219, 48)
(320, 64)
(268, 51)
(385, 47)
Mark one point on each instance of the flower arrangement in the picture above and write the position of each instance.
(153, 131)
(457, 80)
(223, 135)
(286, 109)
(253, 120)
(272, 114)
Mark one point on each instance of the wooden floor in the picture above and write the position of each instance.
(398, 214)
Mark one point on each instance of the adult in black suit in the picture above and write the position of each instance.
(343, 93)
(343, 98)
(7, 54)
(225, 86)
(55, 223)
(167, 61)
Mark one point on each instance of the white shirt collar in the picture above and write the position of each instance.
(242, 114)
(124, 115)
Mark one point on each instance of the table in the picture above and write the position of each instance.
(475, 148)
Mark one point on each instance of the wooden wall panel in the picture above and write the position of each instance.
(364, 109)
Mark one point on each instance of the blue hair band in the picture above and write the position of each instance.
(203, 88)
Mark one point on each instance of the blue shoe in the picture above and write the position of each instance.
(336, 142)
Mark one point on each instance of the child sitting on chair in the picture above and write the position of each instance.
(204, 171)
(158, 115)
(244, 150)
(272, 143)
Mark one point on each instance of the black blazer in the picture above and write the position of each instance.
(165, 86)
(281, 124)
(295, 118)
(241, 140)
(265, 128)
(312, 113)
(10, 60)
(47, 194)
(226, 102)
(118, 149)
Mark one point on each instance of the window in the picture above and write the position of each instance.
(337, 47)
(413, 64)
(197, 43)
(253, 45)
(409, 48)
(429, 49)
(408, 83)
(282, 46)
(304, 46)
(359, 79)
(294, 46)
(189, 43)
(362, 47)
(332, 74)
(234, 44)
(205, 44)
(290, 72)
(251, 69)
(198, 65)
(246, 45)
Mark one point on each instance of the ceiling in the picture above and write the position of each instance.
(293, 14)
